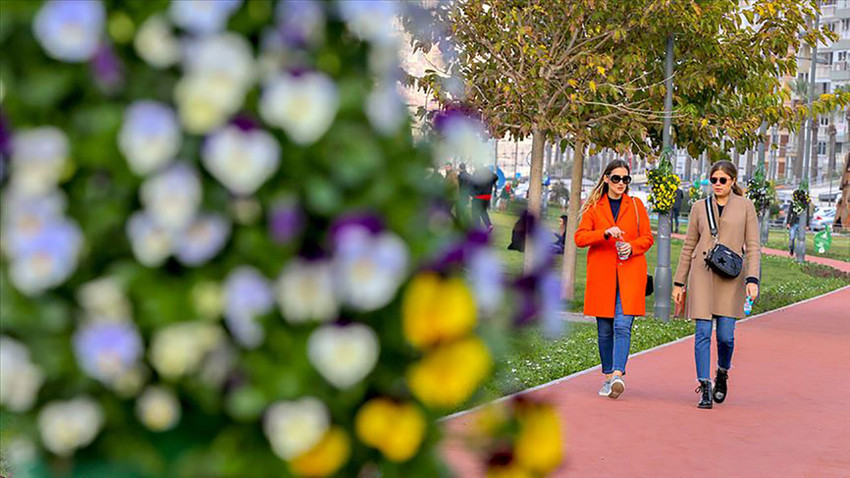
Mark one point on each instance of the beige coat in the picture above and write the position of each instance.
(707, 293)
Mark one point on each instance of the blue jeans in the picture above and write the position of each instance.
(792, 240)
(725, 345)
(615, 338)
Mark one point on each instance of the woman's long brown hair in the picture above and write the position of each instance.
(729, 168)
(601, 187)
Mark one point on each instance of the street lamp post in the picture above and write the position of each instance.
(663, 276)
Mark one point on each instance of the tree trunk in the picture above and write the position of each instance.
(801, 146)
(813, 160)
(547, 164)
(750, 163)
(736, 158)
(688, 166)
(568, 272)
(830, 169)
(535, 190)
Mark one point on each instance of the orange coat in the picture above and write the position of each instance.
(604, 269)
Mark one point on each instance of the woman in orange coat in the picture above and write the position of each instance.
(616, 228)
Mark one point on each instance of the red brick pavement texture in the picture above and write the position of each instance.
(787, 413)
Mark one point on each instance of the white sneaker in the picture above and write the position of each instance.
(618, 386)
(605, 391)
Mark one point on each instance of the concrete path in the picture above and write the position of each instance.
(788, 411)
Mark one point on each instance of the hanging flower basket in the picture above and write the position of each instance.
(663, 183)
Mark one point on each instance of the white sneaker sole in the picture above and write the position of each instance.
(617, 389)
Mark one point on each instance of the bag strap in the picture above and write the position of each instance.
(637, 214)
(712, 224)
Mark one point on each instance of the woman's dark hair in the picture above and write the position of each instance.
(729, 168)
(601, 187)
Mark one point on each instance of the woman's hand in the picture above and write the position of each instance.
(678, 294)
(626, 248)
(614, 232)
(752, 291)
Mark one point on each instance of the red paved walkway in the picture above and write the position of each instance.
(788, 411)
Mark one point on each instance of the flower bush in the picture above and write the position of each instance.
(663, 183)
(800, 199)
(760, 191)
(695, 193)
(222, 254)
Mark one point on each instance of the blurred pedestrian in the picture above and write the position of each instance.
(483, 180)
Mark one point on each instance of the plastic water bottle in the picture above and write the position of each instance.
(621, 252)
(748, 306)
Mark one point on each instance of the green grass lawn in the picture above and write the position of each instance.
(535, 360)
(778, 239)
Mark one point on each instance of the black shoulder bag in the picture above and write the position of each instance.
(650, 286)
(720, 259)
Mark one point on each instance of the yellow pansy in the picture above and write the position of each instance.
(450, 374)
(396, 429)
(326, 458)
(539, 446)
(437, 310)
(509, 471)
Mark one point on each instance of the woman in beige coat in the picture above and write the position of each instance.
(709, 295)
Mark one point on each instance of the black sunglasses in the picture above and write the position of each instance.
(715, 179)
(616, 179)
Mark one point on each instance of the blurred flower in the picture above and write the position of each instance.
(5, 137)
(303, 105)
(396, 429)
(219, 71)
(369, 268)
(436, 310)
(49, 259)
(370, 20)
(202, 16)
(326, 458)
(151, 243)
(156, 44)
(104, 299)
(69, 425)
(149, 137)
(202, 240)
(295, 427)
(218, 365)
(20, 379)
(246, 211)
(551, 305)
(304, 291)
(107, 350)
(70, 30)
(172, 196)
(247, 294)
(241, 160)
(25, 219)
(38, 160)
(462, 139)
(130, 383)
(486, 275)
(438, 381)
(301, 23)
(345, 354)
(286, 220)
(207, 300)
(178, 349)
(158, 409)
(385, 109)
(107, 69)
(538, 447)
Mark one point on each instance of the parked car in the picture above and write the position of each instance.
(822, 218)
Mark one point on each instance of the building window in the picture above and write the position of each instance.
(824, 120)
(842, 56)
(845, 24)
(821, 148)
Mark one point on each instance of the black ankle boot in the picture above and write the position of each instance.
(720, 388)
(705, 390)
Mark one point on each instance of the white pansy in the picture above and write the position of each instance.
(241, 160)
(158, 409)
(464, 140)
(49, 259)
(150, 136)
(156, 43)
(295, 427)
(69, 425)
(104, 299)
(202, 240)
(172, 197)
(370, 20)
(205, 102)
(202, 16)
(20, 379)
(178, 349)
(485, 273)
(369, 268)
(303, 105)
(25, 219)
(304, 291)
(226, 56)
(38, 160)
(385, 109)
(344, 355)
(247, 294)
(151, 243)
(70, 30)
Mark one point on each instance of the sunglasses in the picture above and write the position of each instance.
(617, 178)
(715, 179)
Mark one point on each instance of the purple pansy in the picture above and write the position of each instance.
(70, 30)
(107, 350)
(247, 294)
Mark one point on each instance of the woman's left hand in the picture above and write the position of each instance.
(752, 291)
(627, 248)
